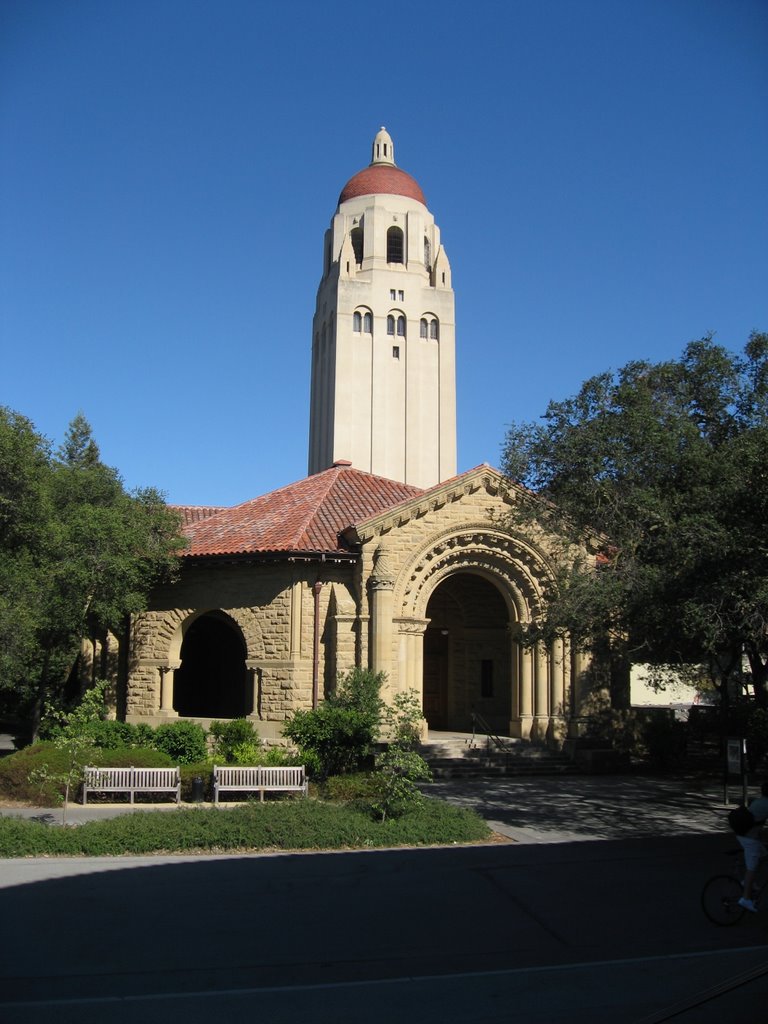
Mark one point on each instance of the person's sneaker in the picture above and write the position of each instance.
(748, 904)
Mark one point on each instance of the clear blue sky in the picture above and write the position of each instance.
(598, 170)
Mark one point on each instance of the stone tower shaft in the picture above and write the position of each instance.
(383, 352)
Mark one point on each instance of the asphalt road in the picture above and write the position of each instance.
(607, 930)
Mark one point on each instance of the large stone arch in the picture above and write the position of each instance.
(157, 638)
(212, 680)
(515, 565)
(522, 575)
(244, 618)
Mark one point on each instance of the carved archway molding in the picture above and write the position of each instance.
(164, 632)
(520, 570)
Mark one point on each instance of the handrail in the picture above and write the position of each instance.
(478, 720)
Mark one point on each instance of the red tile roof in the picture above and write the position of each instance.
(195, 513)
(382, 179)
(308, 515)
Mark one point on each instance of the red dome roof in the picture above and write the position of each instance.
(382, 179)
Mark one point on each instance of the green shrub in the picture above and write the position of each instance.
(190, 772)
(136, 757)
(279, 757)
(339, 738)
(27, 775)
(235, 742)
(360, 690)
(404, 718)
(395, 778)
(281, 825)
(184, 742)
(112, 735)
(356, 786)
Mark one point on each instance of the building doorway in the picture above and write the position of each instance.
(467, 663)
(212, 679)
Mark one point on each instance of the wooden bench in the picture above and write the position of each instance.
(238, 779)
(131, 780)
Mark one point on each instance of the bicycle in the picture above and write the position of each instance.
(721, 893)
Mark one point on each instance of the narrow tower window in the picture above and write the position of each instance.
(394, 245)
(434, 330)
(357, 322)
(423, 328)
(356, 236)
(401, 326)
(368, 323)
(390, 325)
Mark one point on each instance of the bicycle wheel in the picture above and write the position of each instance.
(720, 899)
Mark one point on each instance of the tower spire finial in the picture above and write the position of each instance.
(383, 148)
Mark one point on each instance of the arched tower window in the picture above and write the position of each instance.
(356, 236)
(357, 322)
(368, 323)
(395, 246)
(401, 326)
(434, 330)
(423, 329)
(390, 324)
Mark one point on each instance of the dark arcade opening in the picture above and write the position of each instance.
(212, 679)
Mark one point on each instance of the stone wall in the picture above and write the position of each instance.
(272, 606)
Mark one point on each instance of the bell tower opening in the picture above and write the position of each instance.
(395, 245)
(467, 655)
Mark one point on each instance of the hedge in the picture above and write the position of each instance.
(290, 824)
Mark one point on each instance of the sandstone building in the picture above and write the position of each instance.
(382, 557)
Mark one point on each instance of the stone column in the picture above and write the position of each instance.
(166, 690)
(514, 679)
(541, 691)
(580, 661)
(526, 692)
(411, 659)
(296, 610)
(557, 692)
(254, 684)
(381, 586)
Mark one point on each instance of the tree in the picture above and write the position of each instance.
(338, 735)
(663, 469)
(78, 553)
(73, 735)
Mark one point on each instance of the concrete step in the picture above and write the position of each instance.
(467, 756)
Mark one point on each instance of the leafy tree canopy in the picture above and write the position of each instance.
(77, 553)
(664, 467)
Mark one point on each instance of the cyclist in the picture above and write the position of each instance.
(754, 850)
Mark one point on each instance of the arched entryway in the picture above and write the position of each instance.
(212, 679)
(467, 655)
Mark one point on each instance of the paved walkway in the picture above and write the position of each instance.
(531, 809)
(547, 809)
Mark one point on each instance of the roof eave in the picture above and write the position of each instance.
(245, 557)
